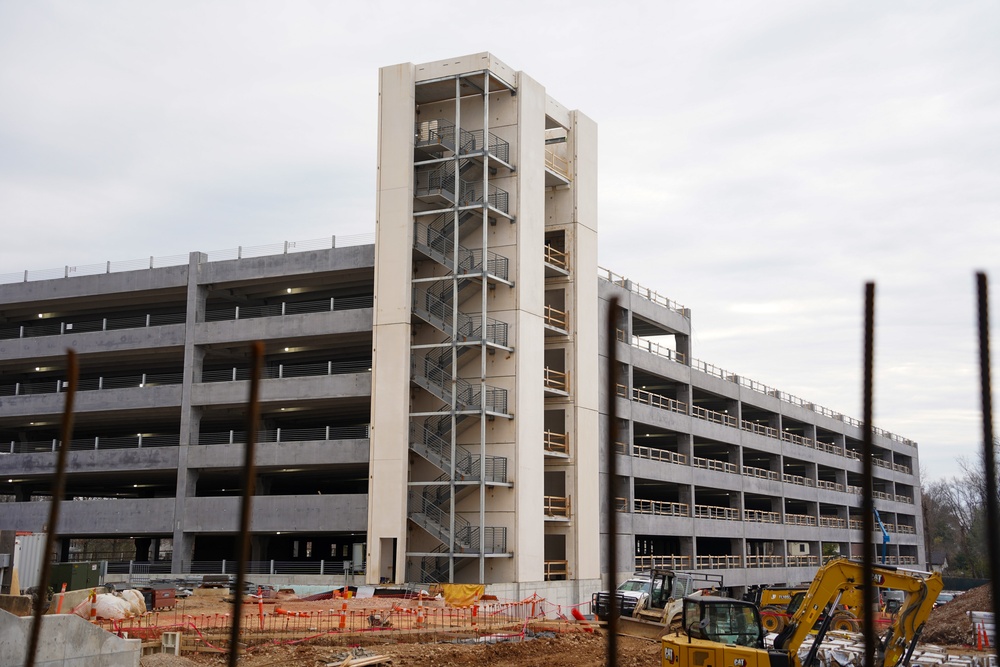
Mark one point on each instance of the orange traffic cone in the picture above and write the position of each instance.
(980, 636)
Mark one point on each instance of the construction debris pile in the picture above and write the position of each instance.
(950, 624)
(847, 649)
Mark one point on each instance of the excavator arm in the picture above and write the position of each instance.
(841, 575)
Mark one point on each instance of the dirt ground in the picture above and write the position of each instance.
(583, 650)
(948, 626)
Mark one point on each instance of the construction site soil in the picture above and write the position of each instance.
(566, 644)
(949, 624)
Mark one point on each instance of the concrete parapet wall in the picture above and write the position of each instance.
(18, 605)
(65, 641)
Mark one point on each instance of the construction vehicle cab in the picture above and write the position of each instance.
(723, 620)
(657, 607)
(721, 632)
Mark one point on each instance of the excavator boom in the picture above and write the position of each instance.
(723, 632)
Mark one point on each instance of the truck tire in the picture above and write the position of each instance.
(845, 622)
(772, 618)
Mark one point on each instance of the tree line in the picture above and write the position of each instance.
(955, 523)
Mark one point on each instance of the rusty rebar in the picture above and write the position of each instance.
(58, 490)
(868, 504)
(989, 445)
(246, 503)
(611, 340)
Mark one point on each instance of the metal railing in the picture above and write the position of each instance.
(468, 465)
(430, 305)
(321, 567)
(148, 263)
(58, 327)
(639, 290)
(287, 371)
(55, 386)
(496, 146)
(279, 435)
(438, 181)
(290, 308)
(472, 194)
(137, 441)
(711, 369)
(651, 347)
(441, 246)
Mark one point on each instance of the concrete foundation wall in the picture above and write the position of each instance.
(65, 641)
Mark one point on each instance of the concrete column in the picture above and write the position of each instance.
(62, 547)
(142, 545)
(7, 547)
(190, 415)
(389, 460)
(259, 547)
(809, 431)
(685, 445)
(683, 343)
(811, 471)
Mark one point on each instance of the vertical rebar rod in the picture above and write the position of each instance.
(989, 451)
(58, 490)
(611, 339)
(246, 504)
(868, 504)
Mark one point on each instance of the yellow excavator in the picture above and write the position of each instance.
(723, 632)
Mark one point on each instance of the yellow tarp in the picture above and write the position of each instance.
(462, 595)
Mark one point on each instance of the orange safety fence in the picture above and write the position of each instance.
(418, 621)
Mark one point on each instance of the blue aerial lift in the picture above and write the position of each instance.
(885, 533)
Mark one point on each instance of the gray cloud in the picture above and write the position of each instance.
(758, 162)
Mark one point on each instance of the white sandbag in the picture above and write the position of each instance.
(111, 607)
(136, 600)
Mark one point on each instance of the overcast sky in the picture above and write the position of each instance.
(759, 161)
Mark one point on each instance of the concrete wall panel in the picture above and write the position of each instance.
(305, 388)
(141, 516)
(331, 513)
(96, 342)
(102, 460)
(334, 452)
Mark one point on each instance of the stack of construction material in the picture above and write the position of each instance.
(984, 630)
(847, 649)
